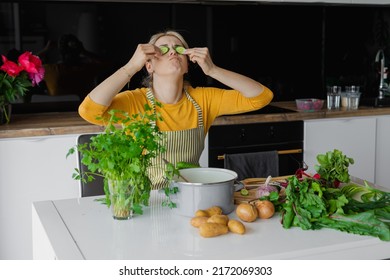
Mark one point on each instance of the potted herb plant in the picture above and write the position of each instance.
(122, 155)
(15, 80)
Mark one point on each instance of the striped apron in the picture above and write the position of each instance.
(182, 145)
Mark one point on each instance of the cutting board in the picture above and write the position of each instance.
(251, 184)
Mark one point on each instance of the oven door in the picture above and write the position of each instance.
(284, 137)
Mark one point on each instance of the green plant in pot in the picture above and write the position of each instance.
(122, 155)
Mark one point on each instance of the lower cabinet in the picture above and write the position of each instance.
(382, 164)
(31, 169)
(362, 138)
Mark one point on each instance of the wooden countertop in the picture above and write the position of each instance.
(43, 124)
(28, 125)
(363, 111)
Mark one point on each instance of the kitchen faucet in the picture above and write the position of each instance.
(384, 87)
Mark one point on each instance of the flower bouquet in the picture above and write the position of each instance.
(16, 78)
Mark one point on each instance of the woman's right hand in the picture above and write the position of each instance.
(142, 54)
(106, 90)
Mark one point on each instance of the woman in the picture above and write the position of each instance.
(187, 112)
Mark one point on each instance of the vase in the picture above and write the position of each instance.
(121, 198)
(5, 113)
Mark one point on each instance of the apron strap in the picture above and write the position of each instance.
(197, 107)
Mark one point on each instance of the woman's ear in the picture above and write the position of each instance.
(149, 67)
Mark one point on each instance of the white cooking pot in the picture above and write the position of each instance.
(205, 187)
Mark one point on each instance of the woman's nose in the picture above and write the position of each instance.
(172, 51)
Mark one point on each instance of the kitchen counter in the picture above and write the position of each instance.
(84, 229)
(27, 125)
(45, 124)
(363, 111)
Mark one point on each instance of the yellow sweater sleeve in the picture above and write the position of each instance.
(217, 102)
(129, 101)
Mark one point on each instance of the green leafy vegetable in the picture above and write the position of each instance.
(314, 203)
(123, 152)
(333, 167)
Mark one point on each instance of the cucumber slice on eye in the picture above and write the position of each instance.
(180, 49)
(164, 49)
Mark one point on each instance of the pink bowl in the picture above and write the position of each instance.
(309, 104)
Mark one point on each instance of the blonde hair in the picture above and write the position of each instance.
(173, 33)
(147, 81)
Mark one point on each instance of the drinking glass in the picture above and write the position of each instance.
(333, 97)
(353, 97)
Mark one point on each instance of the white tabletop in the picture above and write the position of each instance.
(83, 228)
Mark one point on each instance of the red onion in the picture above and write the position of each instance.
(265, 190)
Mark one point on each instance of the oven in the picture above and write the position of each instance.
(284, 137)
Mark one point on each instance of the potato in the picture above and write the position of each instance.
(215, 210)
(219, 219)
(197, 221)
(201, 213)
(236, 226)
(212, 229)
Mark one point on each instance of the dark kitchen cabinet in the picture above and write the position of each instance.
(294, 49)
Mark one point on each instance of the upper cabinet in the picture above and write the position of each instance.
(323, 1)
(310, 46)
(371, 2)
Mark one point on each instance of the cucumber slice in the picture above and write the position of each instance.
(244, 192)
(164, 49)
(180, 49)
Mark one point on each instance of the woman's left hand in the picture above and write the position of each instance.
(245, 85)
(201, 56)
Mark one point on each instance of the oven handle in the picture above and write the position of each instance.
(281, 152)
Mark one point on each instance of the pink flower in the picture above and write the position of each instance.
(10, 67)
(27, 62)
(17, 77)
(33, 66)
(30, 63)
(36, 78)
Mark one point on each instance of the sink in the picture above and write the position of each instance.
(375, 102)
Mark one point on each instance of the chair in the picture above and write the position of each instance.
(95, 187)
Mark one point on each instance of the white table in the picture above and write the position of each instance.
(83, 228)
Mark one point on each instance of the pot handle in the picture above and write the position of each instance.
(238, 185)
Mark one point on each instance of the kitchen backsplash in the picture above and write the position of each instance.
(295, 49)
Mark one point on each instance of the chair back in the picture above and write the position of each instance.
(95, 187)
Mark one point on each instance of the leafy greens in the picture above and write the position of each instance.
(313, 203)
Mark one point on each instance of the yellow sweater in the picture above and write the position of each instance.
(214, 102)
